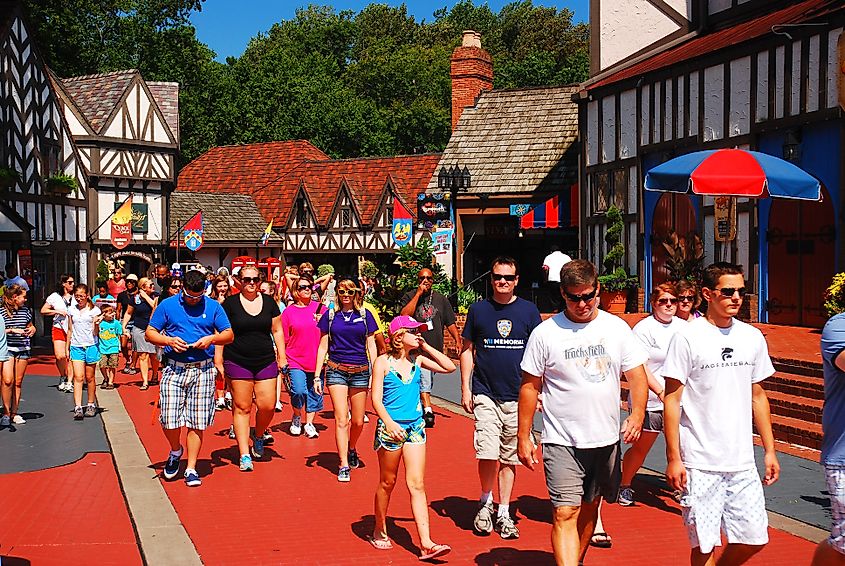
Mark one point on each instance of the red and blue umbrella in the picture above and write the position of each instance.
(733, 172)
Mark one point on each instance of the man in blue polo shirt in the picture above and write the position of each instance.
(188, 327)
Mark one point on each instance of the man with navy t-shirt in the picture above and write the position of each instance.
(494, 338)
(188, 326)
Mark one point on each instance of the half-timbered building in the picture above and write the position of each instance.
(43, 231)
(323, 210)
(127, 134)
(674, 77)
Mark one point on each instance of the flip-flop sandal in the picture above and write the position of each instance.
(380, 543)
(144, 387)
(435, 551)
(601, 540)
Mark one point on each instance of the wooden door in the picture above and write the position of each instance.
(802, 247)
(673, 212)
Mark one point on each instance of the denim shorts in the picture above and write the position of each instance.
(87, 354)
(360, 380)
(21, 355)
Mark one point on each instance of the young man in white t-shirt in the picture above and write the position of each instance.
(713, 372)
(552, 265)
(577, 357)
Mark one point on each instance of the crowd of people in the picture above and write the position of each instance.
(235, 340)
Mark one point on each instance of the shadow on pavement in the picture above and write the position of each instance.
(14, 560)
(329, 461)
(534, 509)
(460, 509)
(400, 536)
(505, 556)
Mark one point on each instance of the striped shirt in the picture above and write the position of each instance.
(18, 319)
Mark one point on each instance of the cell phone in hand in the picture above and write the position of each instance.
(429, 325)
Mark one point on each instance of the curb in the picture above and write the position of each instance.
(161, 536)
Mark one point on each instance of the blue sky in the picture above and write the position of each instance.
(226, 26)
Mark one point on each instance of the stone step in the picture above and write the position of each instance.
(803, 408)
(797, 367)
(798, 385)
(797, 431)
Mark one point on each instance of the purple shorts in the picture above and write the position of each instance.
(234, 371)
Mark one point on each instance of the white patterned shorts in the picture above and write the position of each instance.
(732, 502)
(186, 395)
(835, 476)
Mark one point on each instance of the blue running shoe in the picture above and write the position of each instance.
(246, 463)
(343, 474)
(257, 448)
(354, 460)
(192, 478)
(171, 468)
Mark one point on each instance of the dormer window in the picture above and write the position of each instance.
(301, 212)
(345, 217)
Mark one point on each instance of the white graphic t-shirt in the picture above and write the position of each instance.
(83, 325)
(555, 261)
(717, 367)
(581, 366)
(56, 302)
(655, 336)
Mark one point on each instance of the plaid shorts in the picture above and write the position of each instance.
(186, 395)
(835, 476)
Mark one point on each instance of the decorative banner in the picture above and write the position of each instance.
(519, 209)
(121, 225)
(193, 232)
(25, 266)
(434, 210)
(725, 219)
(442, 241)
(402, 224)
(140, 217)
(266, 236)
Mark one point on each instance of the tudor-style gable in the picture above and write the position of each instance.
(345, 214)
(301, 214)
(136, 117)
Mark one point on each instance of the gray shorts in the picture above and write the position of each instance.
(576, 475)
(653, 421)
(139, 342)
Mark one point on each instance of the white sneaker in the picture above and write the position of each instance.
(18, 420)
(296, 426)
(366, 418)
(62, 385)
(278, 406)
(310, 431)
(69, 388)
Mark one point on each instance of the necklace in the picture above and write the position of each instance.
(426, 312)
(347, 318)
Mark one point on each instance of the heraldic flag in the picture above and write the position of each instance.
(121, 225)
(193, 232)
(402, 222)
(266, 236)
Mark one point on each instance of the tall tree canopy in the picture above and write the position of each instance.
(374, 82)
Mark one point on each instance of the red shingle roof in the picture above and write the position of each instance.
(245, 168)
(745, 31)
(365, 178)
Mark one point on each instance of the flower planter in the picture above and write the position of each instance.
(58, 189)
(6, 183)
(614, 302)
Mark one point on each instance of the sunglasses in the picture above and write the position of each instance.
(190, 296)
(70, 282)
(686, 298)
(303, 288)
(498, 276)
(425, 278)
(586, 297)
(175, 286)
(345, 292)
(249, 280)
(414, 331)
(728, 292)
(664, 301)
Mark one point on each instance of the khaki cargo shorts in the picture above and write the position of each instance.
(496, 424)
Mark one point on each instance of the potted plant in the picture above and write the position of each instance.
(61, 184)
(8, 178)
(685, 256)
(615, 282)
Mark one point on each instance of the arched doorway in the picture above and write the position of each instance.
(673, 212)
(802, 248)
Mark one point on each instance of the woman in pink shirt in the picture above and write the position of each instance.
(299, 322)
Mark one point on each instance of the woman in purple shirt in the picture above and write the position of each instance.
(346, 335)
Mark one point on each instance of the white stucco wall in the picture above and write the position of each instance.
(627, 26)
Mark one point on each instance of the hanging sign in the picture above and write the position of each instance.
(434, 210)
(442, 241)
(121, 225)
(519, 210)
(725, 219)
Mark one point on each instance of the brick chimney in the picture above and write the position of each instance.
(472, 73)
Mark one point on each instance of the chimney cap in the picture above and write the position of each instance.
(471, 38)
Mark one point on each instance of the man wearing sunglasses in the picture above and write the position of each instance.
(716, 363)
(427, 305)
(188, 326)
(494, 338)
(577, 358)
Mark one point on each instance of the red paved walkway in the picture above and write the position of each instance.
(292, 510)
(72, 514)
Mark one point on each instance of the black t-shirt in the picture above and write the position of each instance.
(253, 345)
(123, 299)
(434, 307)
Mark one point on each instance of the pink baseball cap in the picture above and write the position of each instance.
(404, 321)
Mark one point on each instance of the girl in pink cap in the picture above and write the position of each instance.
(400, 432)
